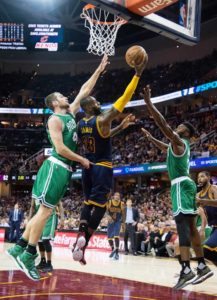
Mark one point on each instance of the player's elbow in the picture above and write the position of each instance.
(60, 149)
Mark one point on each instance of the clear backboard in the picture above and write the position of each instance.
(178, 20)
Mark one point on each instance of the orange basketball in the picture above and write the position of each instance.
(136, 55)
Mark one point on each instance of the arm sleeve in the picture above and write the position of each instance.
(126, 97)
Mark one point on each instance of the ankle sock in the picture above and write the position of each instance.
(31, 249)
(22, 242)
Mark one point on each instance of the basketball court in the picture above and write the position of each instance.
(131, 277)
(140, 277)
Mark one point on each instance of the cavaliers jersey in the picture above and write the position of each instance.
(97, 147)
(115, 210)
(210, 211)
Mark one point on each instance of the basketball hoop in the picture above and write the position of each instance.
(103, 27)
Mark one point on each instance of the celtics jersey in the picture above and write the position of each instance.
(37, 205)
(178, 165)
(69, 133)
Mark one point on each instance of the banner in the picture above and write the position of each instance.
(198, 163)
(97, 241)
(163, 98)
(2, 234)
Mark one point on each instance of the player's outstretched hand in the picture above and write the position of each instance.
(85, 163)
(146, 94)
(128, 121)
(104, 63)
(140, 68)
(147, 134)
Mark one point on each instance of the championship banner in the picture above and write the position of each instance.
(2, 235)
(98, 241)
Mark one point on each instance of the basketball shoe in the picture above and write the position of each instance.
(112, 253)
(203, 274)
(14, 252)
(79, 248)
(27, 262)
(184, 280)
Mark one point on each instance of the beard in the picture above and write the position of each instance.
(65, 106)
(201, 185)
(97, 111)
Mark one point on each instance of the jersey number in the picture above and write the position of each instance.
(89, 143)
(75, 137)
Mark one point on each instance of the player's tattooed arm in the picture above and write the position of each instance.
(177, 143)
(162, 146)
(88, 86)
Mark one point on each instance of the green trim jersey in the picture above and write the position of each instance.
(178, 165)
(183, 189)
(69, 133)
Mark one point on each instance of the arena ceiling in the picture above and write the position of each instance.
(67, 12)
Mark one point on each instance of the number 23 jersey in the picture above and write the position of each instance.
(96, 146)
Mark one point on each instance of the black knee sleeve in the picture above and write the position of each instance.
(41, 247)
(86, 212)
(111, 244)
(183, 229)
(117, 242)
(96, 217)
(47, 246)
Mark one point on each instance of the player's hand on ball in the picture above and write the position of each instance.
(127, 121)
(140, 68)
(147, 94)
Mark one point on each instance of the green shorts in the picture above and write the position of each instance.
(183, 195)
(51, 183)
(49, 228)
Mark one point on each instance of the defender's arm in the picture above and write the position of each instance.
(162, 146)
(88, 86)
(175, 140)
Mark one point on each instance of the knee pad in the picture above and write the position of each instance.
(96, 217)
(41, 246)
(47, 246)
(83, 227)
(183, 230)
(86, 212)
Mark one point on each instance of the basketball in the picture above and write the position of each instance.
(136, 55)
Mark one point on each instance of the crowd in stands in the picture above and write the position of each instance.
(19, 89)
(154, 209)
(129, 147)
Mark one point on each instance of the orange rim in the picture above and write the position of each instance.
(91, 6)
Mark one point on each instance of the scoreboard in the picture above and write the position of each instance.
(12, 36)
(20, 36)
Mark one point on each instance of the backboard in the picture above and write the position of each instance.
(178, 20)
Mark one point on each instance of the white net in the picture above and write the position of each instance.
(103, 27)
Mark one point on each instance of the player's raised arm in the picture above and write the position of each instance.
(55, 130)
(105, 119)
(162, 146)
(174, 138)
(88, 85)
